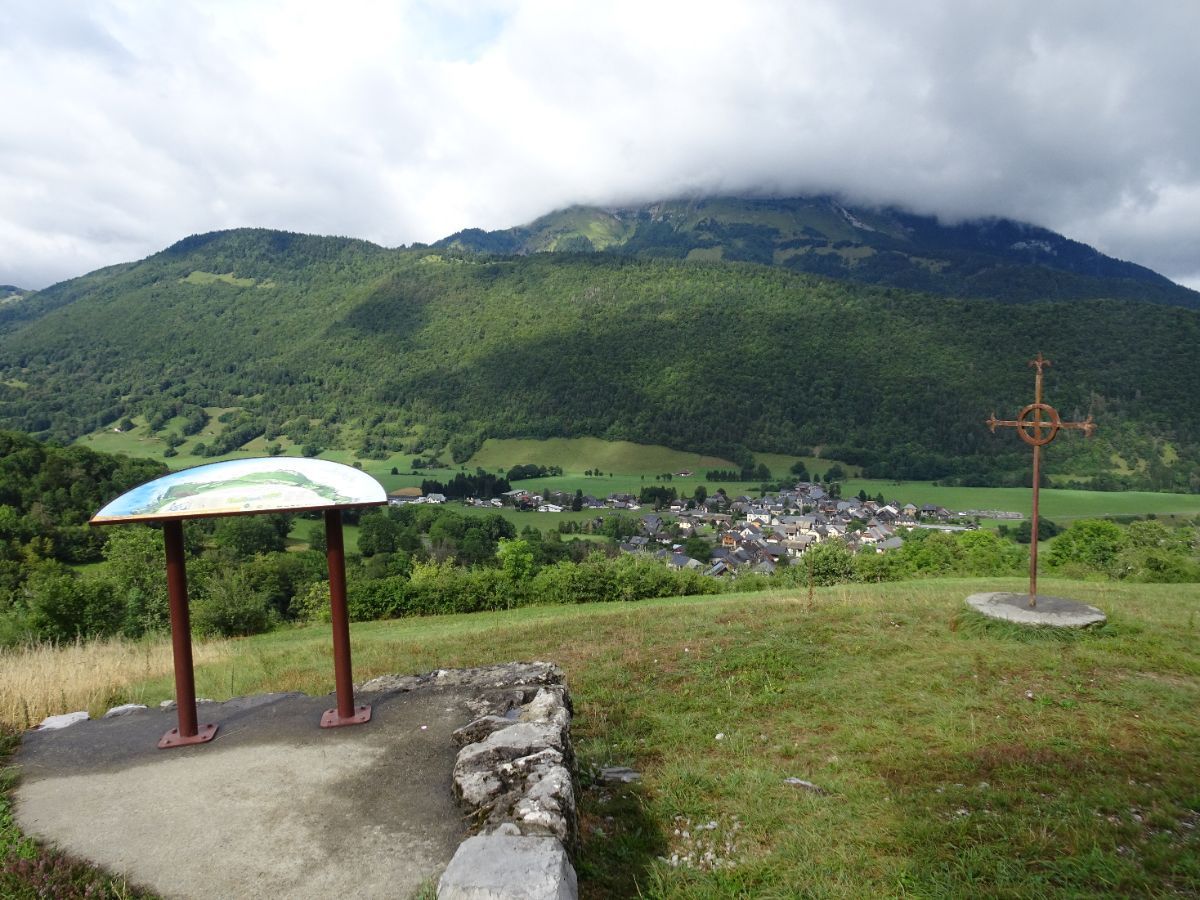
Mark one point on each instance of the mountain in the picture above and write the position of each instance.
(251, 334)
(11, 294)
(988, 258)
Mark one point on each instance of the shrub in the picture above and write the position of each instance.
(63, 606)
(230, 607)
(1092, 543)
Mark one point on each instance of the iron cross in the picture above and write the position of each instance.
(1038, 424)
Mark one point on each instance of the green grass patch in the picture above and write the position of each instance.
(958, 757)
(212, 278)
(576, 455)
(1055, 503)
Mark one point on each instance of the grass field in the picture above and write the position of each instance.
(634, 466)
(1056, 504)
(576, 455)
(955, 756)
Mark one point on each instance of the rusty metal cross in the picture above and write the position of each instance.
(1038, 424)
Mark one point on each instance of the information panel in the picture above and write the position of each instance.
(241, 486)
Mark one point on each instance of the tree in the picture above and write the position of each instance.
(698, 548)
(136, 566)
(700, 494)
(245, 536)
(1023, 533)
(800, 470)
(516, 560)
(830, 562)
(377, 534)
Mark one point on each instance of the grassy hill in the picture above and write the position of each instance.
(993, 258)
(953, 756)
(263, 339)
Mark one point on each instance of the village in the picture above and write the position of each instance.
(744, 534)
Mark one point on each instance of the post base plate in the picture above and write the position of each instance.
(204, 734)
(331, 719)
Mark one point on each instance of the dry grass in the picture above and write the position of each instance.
(40, 680)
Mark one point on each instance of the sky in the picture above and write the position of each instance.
(125, 126)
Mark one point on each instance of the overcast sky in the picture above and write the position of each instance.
(126, 126)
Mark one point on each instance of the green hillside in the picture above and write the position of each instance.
(991, 258)
(319, 343)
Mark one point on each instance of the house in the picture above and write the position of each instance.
(680, 561)
(773, 552)
(797, 545)
(651, 524)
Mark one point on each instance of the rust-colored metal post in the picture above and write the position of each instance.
(181, 645)
(335, 554)
(1033, 525)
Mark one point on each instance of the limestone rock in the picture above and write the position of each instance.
(388, 683)
(480, 729)
(517, 740)
(509, 867)
(547, 707)
(123, 710)
(53, 723)
(618, 775)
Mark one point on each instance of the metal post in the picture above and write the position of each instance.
(345, 713)
(181, 645)
(1033, 526)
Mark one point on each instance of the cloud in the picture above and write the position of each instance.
(127, 127)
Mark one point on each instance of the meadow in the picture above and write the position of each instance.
(626, 467)
(1056, 504)
(944, 754)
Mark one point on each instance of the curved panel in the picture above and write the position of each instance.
(242, 486)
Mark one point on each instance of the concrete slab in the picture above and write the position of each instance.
(274, 806)
(1057, 612)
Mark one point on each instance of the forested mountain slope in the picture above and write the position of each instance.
(335, 342)
(992, 258)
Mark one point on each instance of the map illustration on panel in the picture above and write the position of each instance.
(273, 484)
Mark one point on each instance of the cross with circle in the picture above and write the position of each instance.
(1037, 425)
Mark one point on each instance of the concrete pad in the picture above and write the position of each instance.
(274, 806)
(1057, 612)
